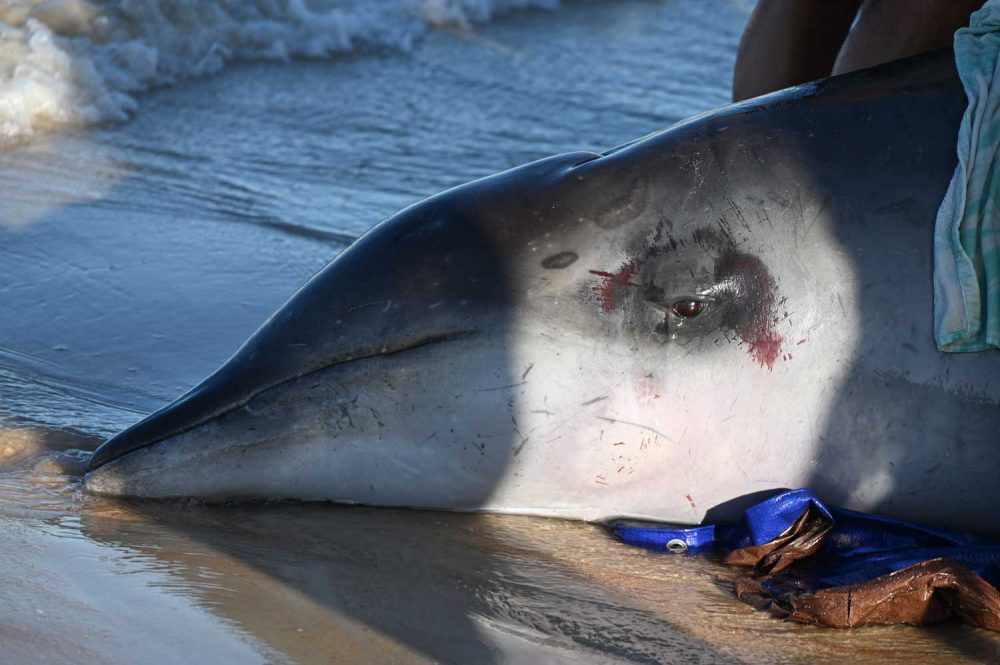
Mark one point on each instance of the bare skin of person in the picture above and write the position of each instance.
(788, 42)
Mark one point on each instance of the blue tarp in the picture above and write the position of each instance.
(858, 548)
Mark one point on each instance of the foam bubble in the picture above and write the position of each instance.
(74, 62)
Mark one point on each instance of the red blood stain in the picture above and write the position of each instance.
(754, 320)
(645, 388)
(690, 500)
(613, 285)
(765, 348)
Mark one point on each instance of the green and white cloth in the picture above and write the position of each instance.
(967, 233)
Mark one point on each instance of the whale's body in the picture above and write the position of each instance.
(739, 303)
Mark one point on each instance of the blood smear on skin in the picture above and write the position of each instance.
(765, 348)
(613, 285)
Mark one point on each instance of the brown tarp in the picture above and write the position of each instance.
(924, 593)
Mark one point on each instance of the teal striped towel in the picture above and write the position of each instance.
(967, 233)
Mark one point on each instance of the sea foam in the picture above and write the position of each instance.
(74, 62)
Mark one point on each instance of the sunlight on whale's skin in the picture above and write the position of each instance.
(736, 304)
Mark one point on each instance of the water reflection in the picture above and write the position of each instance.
(314, 583)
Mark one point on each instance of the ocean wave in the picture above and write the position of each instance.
(74, 62)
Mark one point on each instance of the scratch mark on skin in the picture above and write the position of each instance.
(721, 223)
(801, 342)
(378, 420)
(762, 215)
(543, 411)
(434, 434)
(601, 480)
(488, 390)
(517, 451)
(620, 443)
(388, 303)
(594, 401)
(640, 425)
(691, 501)
(525, 375)
(516, 430)
(735, 209)
(815, 218)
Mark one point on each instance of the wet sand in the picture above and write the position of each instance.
(95, 580)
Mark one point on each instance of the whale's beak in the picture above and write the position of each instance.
(202, 404)
(232, 387)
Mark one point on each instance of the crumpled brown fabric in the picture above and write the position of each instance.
(921, 594)
(803, 539)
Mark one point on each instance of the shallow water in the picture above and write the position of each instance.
(134, 258)
(93, 580)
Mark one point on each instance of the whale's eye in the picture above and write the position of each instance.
(687, 308)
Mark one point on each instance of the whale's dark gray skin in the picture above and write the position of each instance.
(738, 303)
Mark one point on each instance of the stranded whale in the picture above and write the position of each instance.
(738, 303)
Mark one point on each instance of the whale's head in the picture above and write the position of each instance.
(553, 339)
(738, 303)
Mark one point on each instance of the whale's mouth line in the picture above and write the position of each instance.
(106, 453)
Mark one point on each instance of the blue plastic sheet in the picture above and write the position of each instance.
(859, 547)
